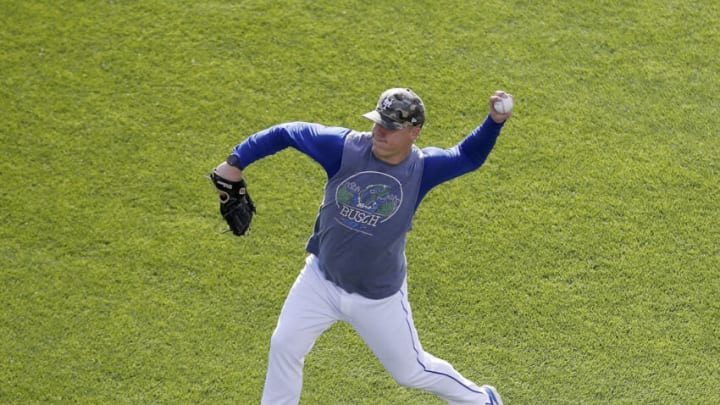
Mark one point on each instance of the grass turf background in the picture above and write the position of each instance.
(579, 265)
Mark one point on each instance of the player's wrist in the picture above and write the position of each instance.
(228, 172)
(234, 161)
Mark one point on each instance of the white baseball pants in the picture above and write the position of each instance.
(386, 326)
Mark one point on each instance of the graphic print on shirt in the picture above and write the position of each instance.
(367, 199)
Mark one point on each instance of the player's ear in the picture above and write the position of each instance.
(415, 132)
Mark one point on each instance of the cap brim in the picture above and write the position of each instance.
(375, 117)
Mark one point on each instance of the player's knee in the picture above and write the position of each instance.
(280, 341)
(407, 378)
(287, 344)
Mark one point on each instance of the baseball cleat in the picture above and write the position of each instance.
(492, 395)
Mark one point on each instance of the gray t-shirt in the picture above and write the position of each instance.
(362, 225)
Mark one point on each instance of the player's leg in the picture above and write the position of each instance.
(388, 329)
(308, 311)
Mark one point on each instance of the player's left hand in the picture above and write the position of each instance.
(500, 116)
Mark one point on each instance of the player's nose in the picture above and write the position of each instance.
(380, 132)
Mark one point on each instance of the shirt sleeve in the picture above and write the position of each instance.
(442, 165)
(323, 144)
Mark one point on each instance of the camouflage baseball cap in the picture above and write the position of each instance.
(398, 108)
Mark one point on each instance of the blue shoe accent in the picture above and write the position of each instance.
(492, 394)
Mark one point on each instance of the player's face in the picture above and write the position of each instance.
(393, 145)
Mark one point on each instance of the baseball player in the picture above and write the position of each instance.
(356, 270)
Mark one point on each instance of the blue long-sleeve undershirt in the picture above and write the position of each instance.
(325, 145)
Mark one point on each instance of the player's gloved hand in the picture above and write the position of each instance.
(236, 206)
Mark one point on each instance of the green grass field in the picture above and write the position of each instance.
(580, 265)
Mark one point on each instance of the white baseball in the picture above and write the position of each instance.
(504, 106)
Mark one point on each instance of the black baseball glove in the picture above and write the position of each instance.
(235, 204)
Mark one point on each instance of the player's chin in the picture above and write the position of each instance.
(380, 150)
